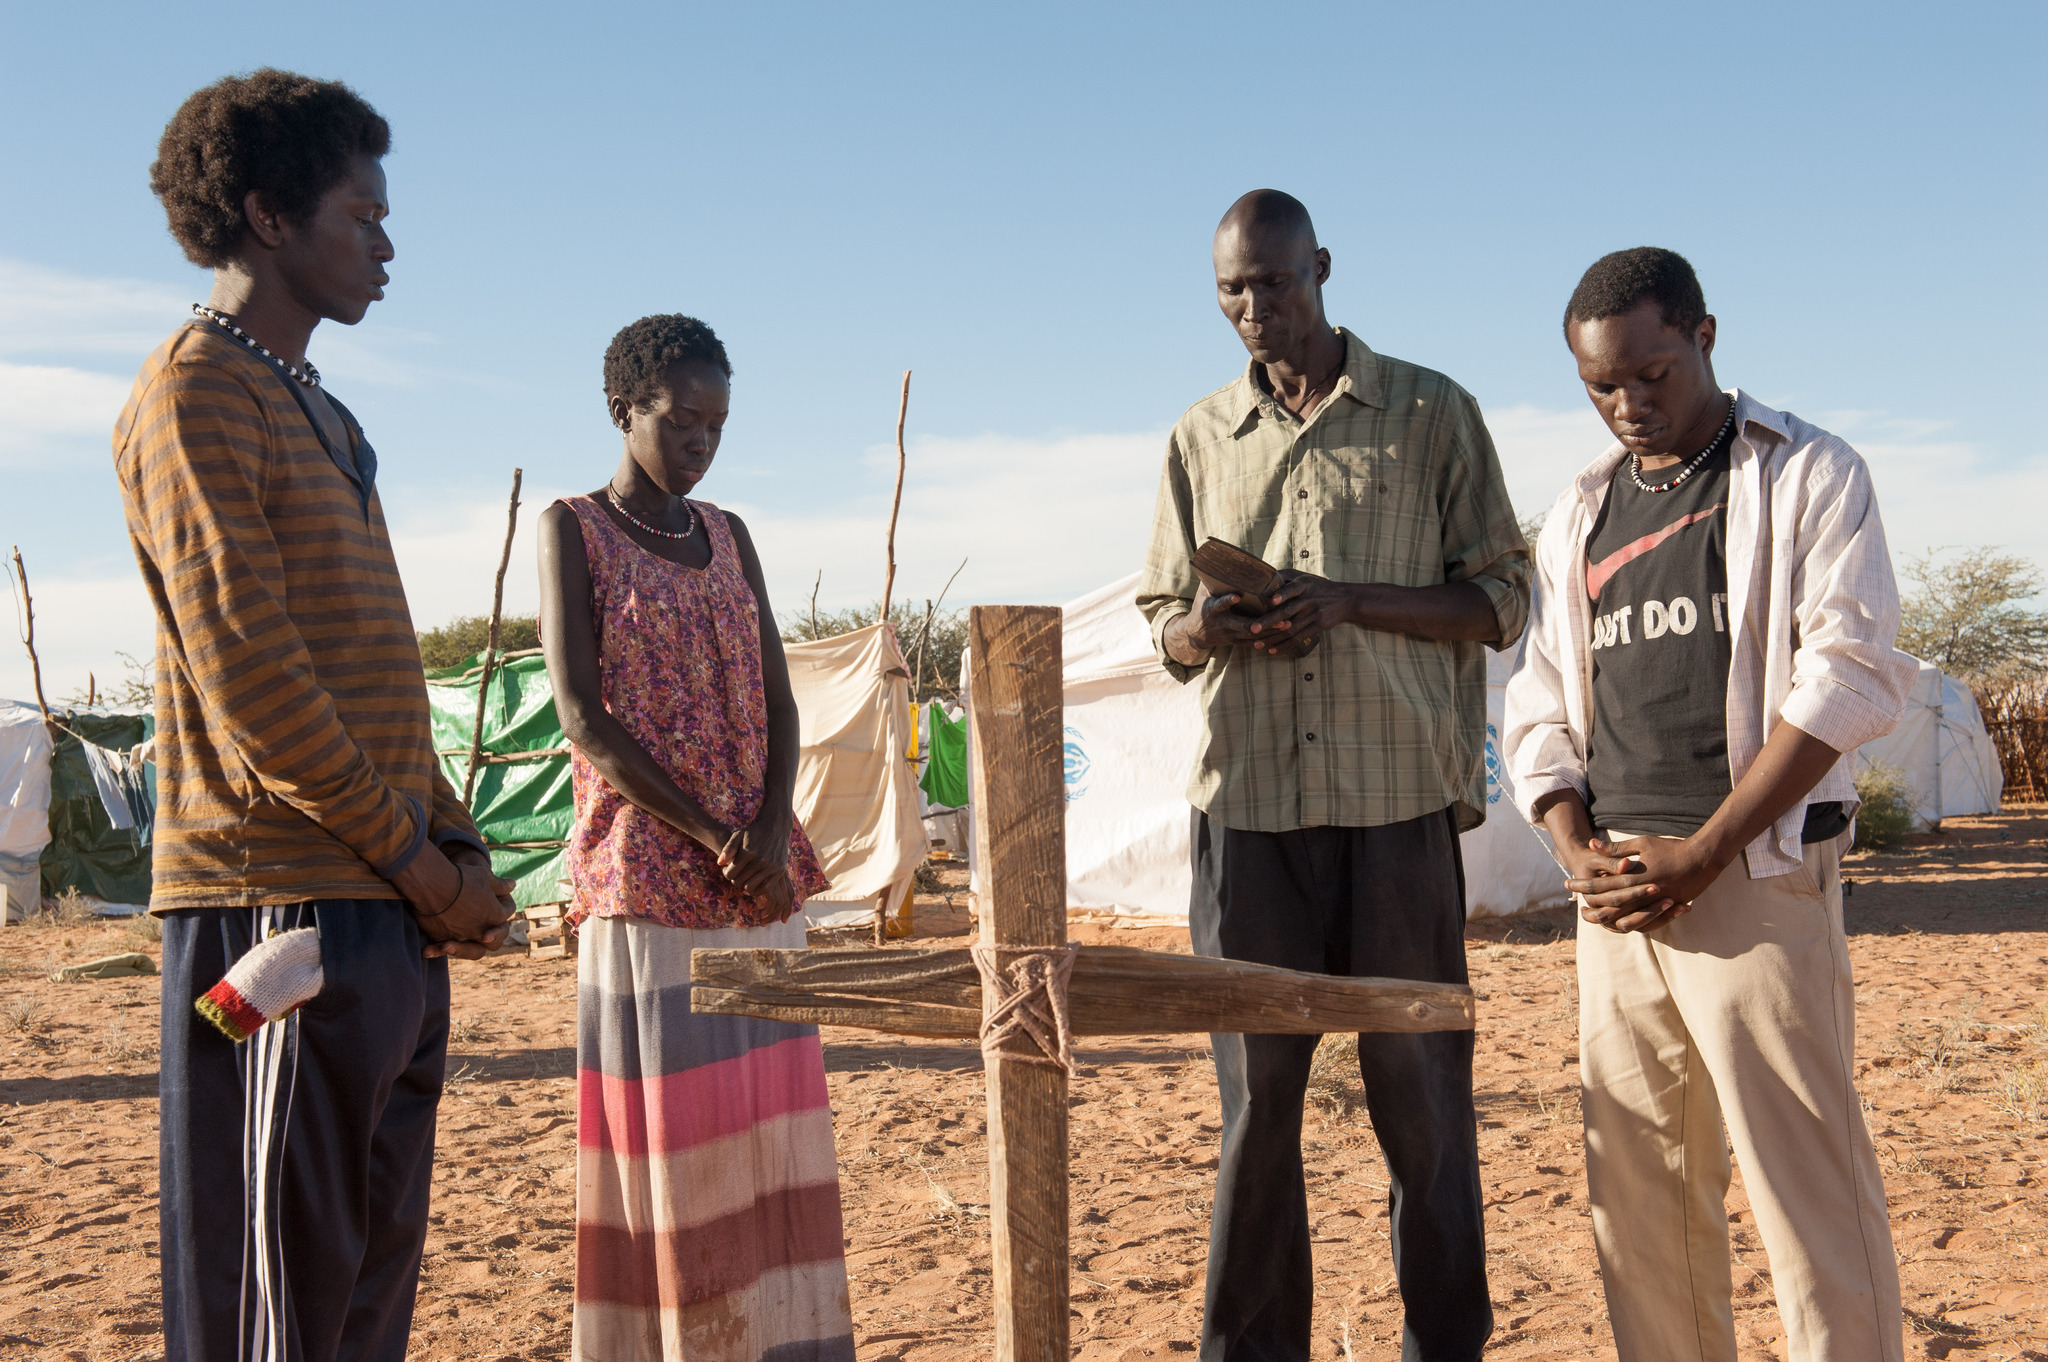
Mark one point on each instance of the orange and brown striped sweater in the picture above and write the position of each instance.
(293, 753)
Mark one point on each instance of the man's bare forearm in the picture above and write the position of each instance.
(1449, 612)
(1792, 762)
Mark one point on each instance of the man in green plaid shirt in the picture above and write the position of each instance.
(1342, 753)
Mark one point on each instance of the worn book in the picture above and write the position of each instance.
(1224, 566)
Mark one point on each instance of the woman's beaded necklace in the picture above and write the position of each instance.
(1635, 461)
(307, 374)
(620, 507)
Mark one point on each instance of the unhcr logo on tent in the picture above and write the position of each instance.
(1076, 764)
(1494, 783)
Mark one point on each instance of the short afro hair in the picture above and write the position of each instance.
(1617, 283)
(286, 136)
(637, 362)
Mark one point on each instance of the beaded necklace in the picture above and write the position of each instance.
(620, 507)
(1635, 461)
(308, 375)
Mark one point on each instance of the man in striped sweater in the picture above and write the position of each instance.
(297, 779)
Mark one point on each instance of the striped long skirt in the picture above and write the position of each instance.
(707, 1192)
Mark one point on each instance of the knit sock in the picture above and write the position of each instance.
(273, 979)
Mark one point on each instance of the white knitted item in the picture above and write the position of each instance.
(270, 981)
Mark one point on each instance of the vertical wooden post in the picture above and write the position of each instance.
(889, 580)
(28, 640)
(483, 682)
(1020, 836)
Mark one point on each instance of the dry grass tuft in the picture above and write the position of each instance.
(71, 909)
(2023, 1091)
(147, 929)
(2022, 1087)
(1334, 1086)
(68, 909)
(1939, 1062)
(468, 1031)
(116, 1044)
(23, 1016)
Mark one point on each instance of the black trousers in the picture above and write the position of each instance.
(1386, 901)
(296, 1165)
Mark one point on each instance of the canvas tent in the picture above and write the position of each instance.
(1948, 757)
(24, 806)
(1130, 736)
(58, 831)
(856, 785)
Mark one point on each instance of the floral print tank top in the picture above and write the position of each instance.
(679, 652)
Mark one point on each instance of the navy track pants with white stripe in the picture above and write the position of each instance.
(296, 1165)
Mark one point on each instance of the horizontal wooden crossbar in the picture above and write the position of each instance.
(1116, 991)
(500, 758)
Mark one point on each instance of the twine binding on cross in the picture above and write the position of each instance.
(1024, 1004)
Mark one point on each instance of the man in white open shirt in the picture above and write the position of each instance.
(1711, 631)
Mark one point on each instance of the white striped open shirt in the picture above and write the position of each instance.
(1814, 613)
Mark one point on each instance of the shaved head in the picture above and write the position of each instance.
(1269, 281)
(1271, 218)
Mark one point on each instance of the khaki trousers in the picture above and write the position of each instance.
(1743, 1009)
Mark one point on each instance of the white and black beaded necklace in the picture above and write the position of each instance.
(305, 373)
(1635, 461)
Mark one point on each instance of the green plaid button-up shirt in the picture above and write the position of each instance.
(1393, 479)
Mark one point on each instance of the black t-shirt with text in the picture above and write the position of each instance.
(1657, 580)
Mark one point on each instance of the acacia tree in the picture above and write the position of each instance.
(1967, 617)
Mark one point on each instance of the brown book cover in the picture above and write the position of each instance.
(1224, 567)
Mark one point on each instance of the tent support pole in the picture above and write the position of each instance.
(28, 636)
(889, 577)
(483, 682)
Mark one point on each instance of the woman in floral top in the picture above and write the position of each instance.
(707, 1194)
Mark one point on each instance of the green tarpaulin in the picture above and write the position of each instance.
(945, 775)
(86, 851)
(523, 808)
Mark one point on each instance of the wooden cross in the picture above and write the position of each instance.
(1020, 833)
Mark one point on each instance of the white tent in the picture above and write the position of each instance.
(1950, 763)
(1131, 734)
(856, 790)
(24, 807)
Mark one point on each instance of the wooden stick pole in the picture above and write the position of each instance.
(483, 682)
(1020, 831)
(924, 631)
(889, 578)
(28, 635)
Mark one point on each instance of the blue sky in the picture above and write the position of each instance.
(1016, 204)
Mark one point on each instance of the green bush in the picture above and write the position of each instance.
(1887, 813)
(465, 637)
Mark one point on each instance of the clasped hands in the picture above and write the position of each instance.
(1297, 613)
(463, 909)
(1639, 884)
(755, 860)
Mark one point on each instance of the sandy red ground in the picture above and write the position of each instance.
(1950, 943)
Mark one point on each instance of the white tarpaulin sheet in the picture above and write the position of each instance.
(1131, 732)
(856, 792)
(1950, 762)
(24, 805)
